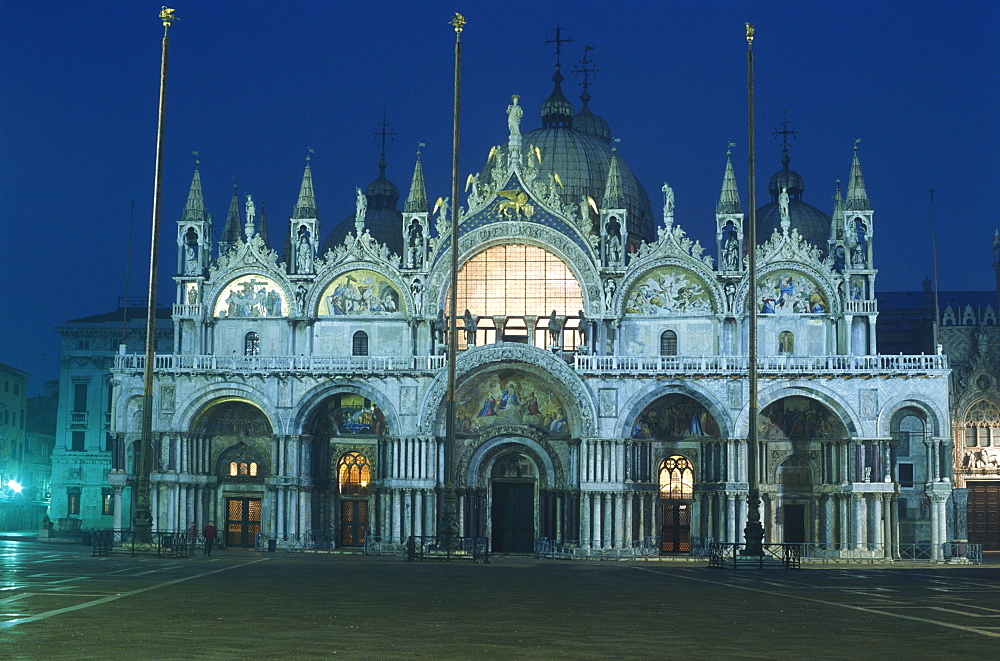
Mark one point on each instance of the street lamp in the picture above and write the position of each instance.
(15, 486)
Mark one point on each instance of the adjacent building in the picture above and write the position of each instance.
(81, 497)
(14, 506)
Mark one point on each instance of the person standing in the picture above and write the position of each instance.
(208, 532)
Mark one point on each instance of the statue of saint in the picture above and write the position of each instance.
(514, 113)
(251, 210)
(609, 293)
(417, 291)
(668, 199)
(783, 202)
(361, 207)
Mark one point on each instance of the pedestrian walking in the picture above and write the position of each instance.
(208, 532)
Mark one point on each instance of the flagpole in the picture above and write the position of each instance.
(754, 531)
(448, 525)
(142, 515)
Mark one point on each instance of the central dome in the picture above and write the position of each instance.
(581, 155)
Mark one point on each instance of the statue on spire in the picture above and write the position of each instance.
(514, 114)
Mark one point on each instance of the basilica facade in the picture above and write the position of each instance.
(602, 391)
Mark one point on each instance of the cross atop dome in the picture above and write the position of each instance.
(558, 41)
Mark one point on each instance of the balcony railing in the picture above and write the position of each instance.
(79, 417)
(585, 364)
(765, 364)
(184, 364)
(862, 306)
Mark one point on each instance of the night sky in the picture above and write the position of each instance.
(253, 85)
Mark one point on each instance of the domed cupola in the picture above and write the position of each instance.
(382, 193)
(557, 110)
(786, 178)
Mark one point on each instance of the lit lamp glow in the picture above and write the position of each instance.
(15, 486)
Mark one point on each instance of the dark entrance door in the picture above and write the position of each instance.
(353, 522)
(242, 521)
(675, 527)
(513, 514)
(795, 524)
(984, 514)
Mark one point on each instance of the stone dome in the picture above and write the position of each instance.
(811, 223)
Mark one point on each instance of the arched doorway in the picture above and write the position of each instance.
(512, 504)
(353, 477)
(676, 494)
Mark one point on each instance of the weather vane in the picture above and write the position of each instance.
(458, 22)
(167, 16)
(558, 41)
(750, 30)
(586, 68)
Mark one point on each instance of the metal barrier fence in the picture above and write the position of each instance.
(307, 541)
(569, 549)
(378, 545)
(953, 552)
(734, 555)
(165, 543)
(423, 547)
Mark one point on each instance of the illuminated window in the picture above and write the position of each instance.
(676, 478)
(353, 474)
(253, 469)
(668, 343)
(233, 469)
(107, 502)
(73, 500)
(251, 344)
(517, 280)
(359, 346)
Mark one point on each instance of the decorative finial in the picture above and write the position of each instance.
(750, 30)
(729, 151)
(558, 41)
(309, 151)
(458, 22)
(196, 159)
(167, 16)
(857, 141)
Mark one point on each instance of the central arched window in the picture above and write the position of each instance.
(676, 478)
(517, 280)
(251, 344)
(668, 343)
(353, 474)
(786, 343)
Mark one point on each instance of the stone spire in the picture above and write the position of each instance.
(729, 199)
(857, 196)
(305, 207)
(614, 196)
(836, 227)
(194, 210)
(232, 233)
(416, 201)
(263, 225)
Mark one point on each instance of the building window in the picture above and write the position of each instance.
(251, 344)
(79, 397)
(676, 478)
(905, 475)
(908, 429)
(786, 343)
(668, 343)
(73, 500)
(243, 469)
(77, 441)
(359, 346)
(353, 474)
(982, 425)
(107, 502)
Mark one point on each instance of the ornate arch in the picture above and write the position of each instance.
(829, 399)
(327, 276)
(186, 415)
(213, 293)
(933, 416)
(475, 463)
(654, 391)
(509, 355)
(577, 260)
(308, 403)
(650, 267)
(826, 288)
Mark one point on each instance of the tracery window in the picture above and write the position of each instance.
(359, 345)
(982, 425)
(676, 478)
(243, 468)
(353, 474)
(251, 344)
(668, 343)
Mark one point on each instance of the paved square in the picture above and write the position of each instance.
(60, 603)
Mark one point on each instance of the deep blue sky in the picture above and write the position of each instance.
(253, 85)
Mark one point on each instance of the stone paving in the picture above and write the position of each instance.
(58, 602)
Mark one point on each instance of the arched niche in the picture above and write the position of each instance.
(347, 414)
(503, 397)
(800, 418)
(675, 417)
(251, 296)
(361, 293)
